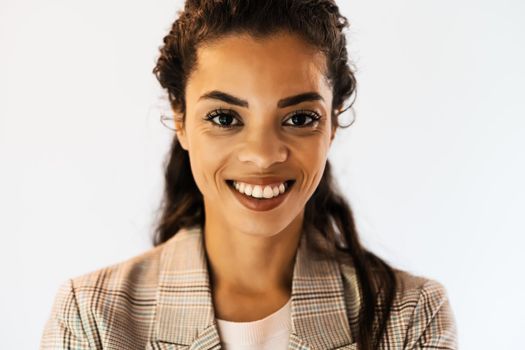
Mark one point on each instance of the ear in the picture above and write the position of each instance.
(180, 129)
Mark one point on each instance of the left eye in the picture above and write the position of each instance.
(301, 119)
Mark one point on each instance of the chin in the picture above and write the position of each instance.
(260, 226)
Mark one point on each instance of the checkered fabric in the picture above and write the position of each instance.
(162, 299)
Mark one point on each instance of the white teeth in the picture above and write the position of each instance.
(258, 191)
(268, 192)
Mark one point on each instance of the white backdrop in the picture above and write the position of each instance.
(433, 167)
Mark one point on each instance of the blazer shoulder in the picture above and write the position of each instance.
(414, 290)
(141, 269)
(421, 311)
(88, 307)
(420, 315)
(411, 287)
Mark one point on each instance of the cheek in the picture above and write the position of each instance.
(207, 158)
(311, 156)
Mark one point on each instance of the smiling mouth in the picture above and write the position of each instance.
(261, 192)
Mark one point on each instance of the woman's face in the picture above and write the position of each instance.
(243, 127)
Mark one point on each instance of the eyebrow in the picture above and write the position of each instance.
(285, 102)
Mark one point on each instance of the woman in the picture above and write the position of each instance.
(255, 248)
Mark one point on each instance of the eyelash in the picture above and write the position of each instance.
(219, 112)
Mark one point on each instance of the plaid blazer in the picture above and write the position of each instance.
(162, 300)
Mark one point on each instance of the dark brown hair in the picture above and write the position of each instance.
(320, 24)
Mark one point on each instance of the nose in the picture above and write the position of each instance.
(263, 148)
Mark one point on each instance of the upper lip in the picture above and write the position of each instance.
(269, 180)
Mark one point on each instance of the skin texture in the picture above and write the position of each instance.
(251, 253)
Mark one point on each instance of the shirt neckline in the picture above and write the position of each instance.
(258, 331)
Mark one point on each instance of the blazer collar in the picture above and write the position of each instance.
(318, 314)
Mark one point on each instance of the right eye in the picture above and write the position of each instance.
(223, 118)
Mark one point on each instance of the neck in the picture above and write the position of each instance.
(241, 263)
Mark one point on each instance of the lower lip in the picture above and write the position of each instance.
(259, 204)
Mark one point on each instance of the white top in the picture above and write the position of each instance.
(269, 333)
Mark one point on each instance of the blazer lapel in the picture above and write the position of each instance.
(318, 313)
(319, 317)
(184, 317)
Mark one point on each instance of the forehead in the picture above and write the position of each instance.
(280, 64)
